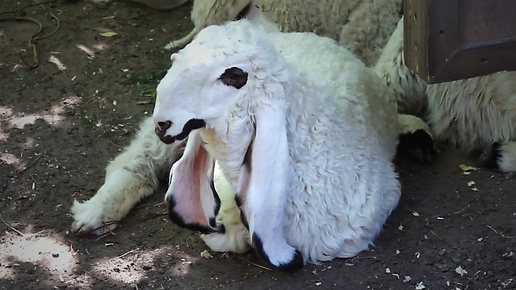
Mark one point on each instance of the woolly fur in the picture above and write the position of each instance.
(362, 26)
(471, 114)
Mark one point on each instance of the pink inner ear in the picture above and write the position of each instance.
(185, 187)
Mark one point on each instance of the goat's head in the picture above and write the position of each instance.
(230, 77)
(224, 72)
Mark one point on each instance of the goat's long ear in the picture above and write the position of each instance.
(268, 186)
(193, 201)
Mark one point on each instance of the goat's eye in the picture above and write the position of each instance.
(234, 77)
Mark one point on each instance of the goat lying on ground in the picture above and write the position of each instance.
(309, 157)
(136, 172)
(362, 26)
(302, 130)
(476, 114)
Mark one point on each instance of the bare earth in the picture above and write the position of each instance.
(61, 122)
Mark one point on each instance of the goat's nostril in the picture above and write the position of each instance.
(162, 126)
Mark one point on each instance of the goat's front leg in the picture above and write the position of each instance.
(130, 177)
(415, 138)
(236, 237)
(499, 156)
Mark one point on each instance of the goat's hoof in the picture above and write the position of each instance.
(490, 157)
(290, 262)
(417, 145)
(90, 219)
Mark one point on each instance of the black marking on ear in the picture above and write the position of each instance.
(239, 203)
(296, 263)
(244, 219)
(490, 157)
(178, 220)
(247, 157)
(213, 221)
(243, 14)
(234, 77)
(221, 229)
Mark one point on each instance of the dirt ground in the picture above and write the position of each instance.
(62, 121)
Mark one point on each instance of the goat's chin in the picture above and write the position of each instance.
(169, 140)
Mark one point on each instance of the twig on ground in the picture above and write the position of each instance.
(463, 209)
(254, 264)
(113, 264)
(147, 217)
(12, 228)
(127, 253)
(501, 234)
(451, 281)
(427, 224)
(104, 235)
(32, 164)
(112, 222)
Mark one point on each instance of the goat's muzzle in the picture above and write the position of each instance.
(161, 130)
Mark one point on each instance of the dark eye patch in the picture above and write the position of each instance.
(234, 77)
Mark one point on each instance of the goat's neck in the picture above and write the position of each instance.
(228, 147)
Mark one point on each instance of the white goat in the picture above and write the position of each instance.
(302, 130)
(362, 26)
(473, 114)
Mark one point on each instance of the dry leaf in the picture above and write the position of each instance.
(144, 102)
(57, 62)
(206, 255)
(459, 270)
(108, 33)
(420, 286)
(467, 167)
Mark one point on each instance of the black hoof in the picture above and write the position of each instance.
(490, 157)
(417, 145)
(295, 263)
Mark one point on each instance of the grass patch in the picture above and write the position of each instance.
(146, 83)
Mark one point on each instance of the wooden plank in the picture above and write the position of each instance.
(447, 40)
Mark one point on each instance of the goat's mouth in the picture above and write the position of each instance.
(191, 125)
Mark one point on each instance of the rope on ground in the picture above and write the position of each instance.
(34, 37)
